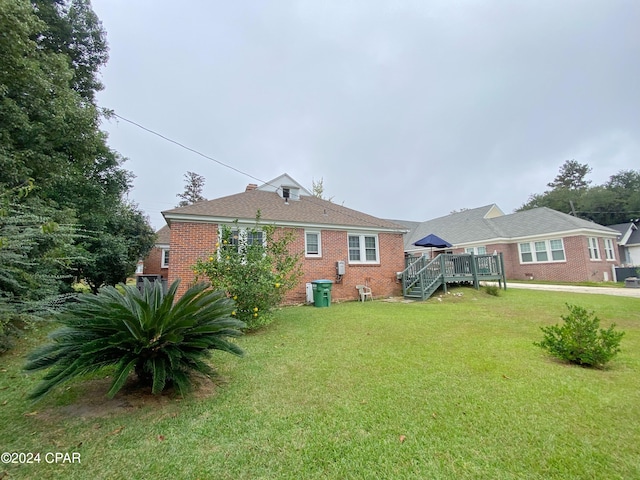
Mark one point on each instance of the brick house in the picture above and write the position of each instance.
(540, 243)
(157, 262)
(325, 233)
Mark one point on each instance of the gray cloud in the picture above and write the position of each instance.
(406, 109)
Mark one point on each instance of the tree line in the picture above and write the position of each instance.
(64, 213)
(616, 201)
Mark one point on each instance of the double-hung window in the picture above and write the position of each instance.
(239, 238)
(594, 251)
(542, 251)
(164, 261)
(609, 252)
(312, 244)
(363, 249)
(476, 250)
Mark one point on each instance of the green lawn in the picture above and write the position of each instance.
(449, 389)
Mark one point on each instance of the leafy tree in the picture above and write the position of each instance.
(317, 189)
(164, 343)
(111, 252)
(255, 267)
(626, 186)
(74, 30)
(572, 176)
(616, 201)
(194, 184)
(49, 128)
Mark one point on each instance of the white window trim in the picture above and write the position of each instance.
(163, 259)
(363, 251)
(594, 249)
(306, 251)
(532, 251)
(476, 250)
(609, 250)
(242, 234)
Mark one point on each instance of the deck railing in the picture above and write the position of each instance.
(422, 272)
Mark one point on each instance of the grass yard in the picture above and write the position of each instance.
(450, 389)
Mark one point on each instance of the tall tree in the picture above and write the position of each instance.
(194, 184)
(616, 201)
(74, 30)
(50, 134)
(572, 176)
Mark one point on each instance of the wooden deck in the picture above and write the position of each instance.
(422, 277)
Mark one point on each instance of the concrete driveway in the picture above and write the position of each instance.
(621, 292)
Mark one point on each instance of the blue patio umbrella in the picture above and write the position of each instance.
(432, 241)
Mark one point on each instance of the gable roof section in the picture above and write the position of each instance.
(308, 211)
(457, 228)
(483, 224)
(629, 233)
(163, 236)
(283, 180)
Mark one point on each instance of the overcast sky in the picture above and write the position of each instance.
(406, 110)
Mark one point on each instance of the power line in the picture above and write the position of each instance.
(186, 147)
(231, 167)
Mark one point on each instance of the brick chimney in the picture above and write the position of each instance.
(251, 186)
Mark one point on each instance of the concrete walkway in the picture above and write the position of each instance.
(621, 292)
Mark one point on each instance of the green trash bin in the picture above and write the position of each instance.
(322, 292)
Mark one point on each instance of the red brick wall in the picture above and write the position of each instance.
(381, 277)
(190, 241)
(153, 263)
(578, 267)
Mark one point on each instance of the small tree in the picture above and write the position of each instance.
(256, 269)
(580, 339)
(317, 189)
(194, 184)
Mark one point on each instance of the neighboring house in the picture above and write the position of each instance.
(157, 262)
(540, 243)
(628, 243)
(325, 233)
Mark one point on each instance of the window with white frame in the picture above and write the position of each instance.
(594, 251)
(238, 238)
(542, 251)
(557, 250)
(476, 250)
(363, 249)
(312, 244)
(608, 249)
(164, 262)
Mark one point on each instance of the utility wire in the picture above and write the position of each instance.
(231, 167)
(186, 147)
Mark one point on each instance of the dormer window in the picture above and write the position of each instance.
(290, 193)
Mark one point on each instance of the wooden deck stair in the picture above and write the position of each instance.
(422, 277)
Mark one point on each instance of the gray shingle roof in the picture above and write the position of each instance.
(273, 209)
(163, 236)
(472, 226)
(624, 229)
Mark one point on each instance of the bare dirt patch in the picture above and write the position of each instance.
(90, 399)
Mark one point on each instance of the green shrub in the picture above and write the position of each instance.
(492, 290)
(580, 339)
(164, 343)
(255, 267)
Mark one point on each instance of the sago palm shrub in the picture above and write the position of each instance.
(147, 333)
